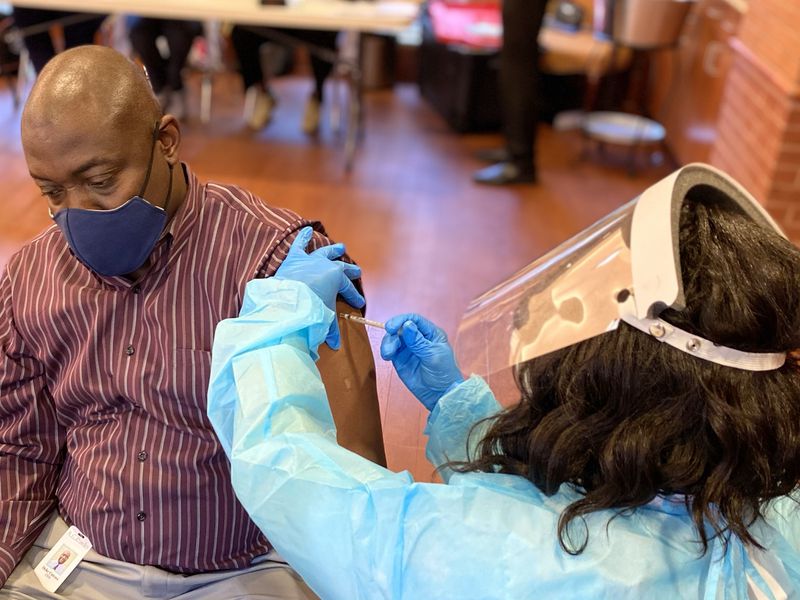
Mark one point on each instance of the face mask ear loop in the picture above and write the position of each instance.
(169, 189)
(150, 162)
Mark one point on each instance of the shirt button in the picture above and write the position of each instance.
(129, 350)
(141, 515)
(142, 456)
(136, 289)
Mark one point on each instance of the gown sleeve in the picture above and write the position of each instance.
(337, 518)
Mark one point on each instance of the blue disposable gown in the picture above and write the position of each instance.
(355, 530)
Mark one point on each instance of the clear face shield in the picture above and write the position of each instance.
(624, 267)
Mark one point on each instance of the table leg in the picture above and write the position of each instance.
(355, 106)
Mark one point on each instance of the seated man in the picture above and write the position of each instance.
(106, 324)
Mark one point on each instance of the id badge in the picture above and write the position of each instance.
(63, 557)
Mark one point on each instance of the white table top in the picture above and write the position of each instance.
(381, 16)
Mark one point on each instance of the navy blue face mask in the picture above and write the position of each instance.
(117, 241)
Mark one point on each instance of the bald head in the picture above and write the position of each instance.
(94, 86)
(94, 137)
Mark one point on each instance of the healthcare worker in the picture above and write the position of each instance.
(653, 454)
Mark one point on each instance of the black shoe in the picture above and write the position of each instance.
(493, 155)
(504, 173)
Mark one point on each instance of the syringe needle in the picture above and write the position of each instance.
(362, 320)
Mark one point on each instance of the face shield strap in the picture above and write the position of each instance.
(655, 256)
(655, 265)
(701, 347)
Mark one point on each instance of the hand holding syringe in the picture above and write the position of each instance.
(423, 359)
(421, 356)
(417, 348)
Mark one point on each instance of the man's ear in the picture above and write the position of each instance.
(169, 138)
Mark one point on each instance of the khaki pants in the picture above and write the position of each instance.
(98, 577)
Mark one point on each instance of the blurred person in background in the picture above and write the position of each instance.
(520, 96)
(165, 72)
(79, 29)
(260, 101)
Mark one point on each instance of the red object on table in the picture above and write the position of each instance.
(475, 24)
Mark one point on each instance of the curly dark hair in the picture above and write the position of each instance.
(626, 418)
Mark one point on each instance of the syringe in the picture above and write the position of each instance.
(363, 321)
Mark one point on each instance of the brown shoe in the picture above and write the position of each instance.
(504, 173)
(258, 105)
(311, 116)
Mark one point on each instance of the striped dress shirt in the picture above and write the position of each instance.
(103, 388)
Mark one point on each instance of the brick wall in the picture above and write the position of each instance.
(758, 139)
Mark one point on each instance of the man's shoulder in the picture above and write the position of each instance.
(38, 252)
(248, 208)
(261, 231)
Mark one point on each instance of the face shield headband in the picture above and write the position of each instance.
(625, 267)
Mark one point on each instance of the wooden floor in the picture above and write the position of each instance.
(427, 238)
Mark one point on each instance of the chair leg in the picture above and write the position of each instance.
(355, 116)
(212, 31)
(15, 92)
(206, 93)
(23, 72)
(336, 93)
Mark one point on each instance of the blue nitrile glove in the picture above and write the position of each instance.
(421, 356)
(326, 276)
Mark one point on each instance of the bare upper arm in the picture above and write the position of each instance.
(349, 378)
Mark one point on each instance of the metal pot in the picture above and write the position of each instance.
(641, 23)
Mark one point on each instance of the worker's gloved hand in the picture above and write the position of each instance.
(421, 356)
(324, 274)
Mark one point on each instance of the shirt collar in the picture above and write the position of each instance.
(185, 217)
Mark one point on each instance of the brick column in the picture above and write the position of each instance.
(758, 139)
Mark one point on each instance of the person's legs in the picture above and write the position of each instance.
(40, 45)
(246, 44)
(143, 33)
(180, 36)
(519, 74)
(95, 577)
(98, 576)
(83, 32)
(268, 578)
(258, 102)
(321, 68)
